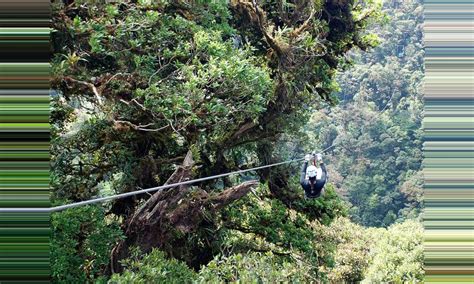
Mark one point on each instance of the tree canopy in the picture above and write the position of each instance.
(154, 92)
(377, 125)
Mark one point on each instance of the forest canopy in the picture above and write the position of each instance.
(154, 92)
(377, 164)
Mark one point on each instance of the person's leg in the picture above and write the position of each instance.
(306, 194)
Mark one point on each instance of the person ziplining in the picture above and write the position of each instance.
(313, 178)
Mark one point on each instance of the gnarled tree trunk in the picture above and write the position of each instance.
(169, 216)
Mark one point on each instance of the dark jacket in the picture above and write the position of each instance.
(312, 190)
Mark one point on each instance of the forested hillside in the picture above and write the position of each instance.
(156, 92)
(377, 125)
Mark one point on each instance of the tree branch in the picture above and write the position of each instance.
(303, 26)
(141, 127)
(231, 194)
(87, 84)
(257, 16)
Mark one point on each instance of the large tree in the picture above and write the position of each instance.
(142, 86)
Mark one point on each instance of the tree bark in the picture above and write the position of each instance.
(167, 218)
(277, 183)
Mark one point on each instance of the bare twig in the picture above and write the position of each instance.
(172, 126)
(159, 70)
(153, 114)
(255, 194)
(89, 85)
(111, 78)
(303, 26)
(141, 127)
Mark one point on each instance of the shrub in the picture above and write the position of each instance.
(153, 268)
(398, 255)
(81, 243)
(254, 267)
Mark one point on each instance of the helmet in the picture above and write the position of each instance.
(311, 171)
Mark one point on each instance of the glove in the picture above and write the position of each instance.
(319, 157)
(307, 158)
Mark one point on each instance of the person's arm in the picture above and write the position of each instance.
(303, 172)
(323, 167)
(325, 172)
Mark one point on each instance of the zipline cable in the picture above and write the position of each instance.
(131, 193)
(146, 190)
(166, 186)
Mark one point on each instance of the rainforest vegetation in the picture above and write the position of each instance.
(150, 92)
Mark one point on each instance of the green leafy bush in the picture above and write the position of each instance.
(397, 256)
(276, 223)
(255, 268)
(374, 255)
(351, 257)
(326, 208)
(153, 268)
(81, 243)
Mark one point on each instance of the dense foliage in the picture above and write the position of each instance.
(153, 268)
(154, 92)
(397, 255)
(376, 255)
(82, 240)
(377, 127)
(367, 255)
